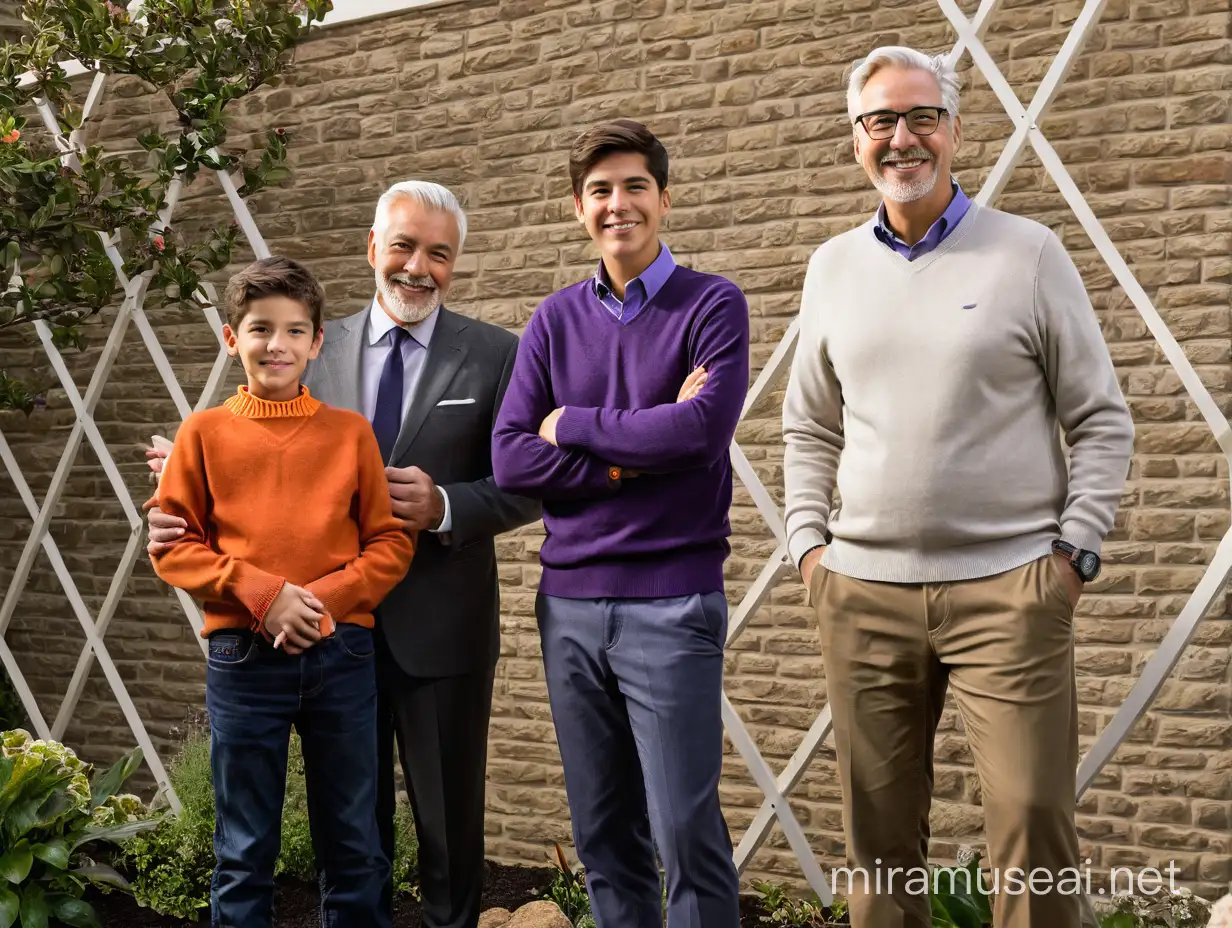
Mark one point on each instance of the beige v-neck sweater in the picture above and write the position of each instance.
(932, 393)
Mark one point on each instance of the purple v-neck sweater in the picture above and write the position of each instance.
(665, 531)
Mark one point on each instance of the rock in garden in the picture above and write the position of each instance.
(495, 918)
(539, 915)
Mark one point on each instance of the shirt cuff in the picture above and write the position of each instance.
(446, 520)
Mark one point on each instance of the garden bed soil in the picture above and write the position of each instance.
(297, 904)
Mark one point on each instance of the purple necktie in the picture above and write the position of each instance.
(387, 419)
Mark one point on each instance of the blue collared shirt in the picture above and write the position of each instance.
(935, 235)
(639, 291)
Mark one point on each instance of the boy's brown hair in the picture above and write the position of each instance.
(617, 135)
(274, 276)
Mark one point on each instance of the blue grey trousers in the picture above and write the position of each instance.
(635, 688)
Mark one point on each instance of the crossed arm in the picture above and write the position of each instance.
(574, 452)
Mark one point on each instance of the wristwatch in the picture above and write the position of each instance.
(1085, 563)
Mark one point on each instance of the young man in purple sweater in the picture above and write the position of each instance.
(623, 402)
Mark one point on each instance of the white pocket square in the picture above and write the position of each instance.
(465, 402)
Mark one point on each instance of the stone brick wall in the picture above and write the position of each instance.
(486, 96)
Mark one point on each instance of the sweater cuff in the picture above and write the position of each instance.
(1081, 536)
(575, 428)
(800, 542)
(258, 595)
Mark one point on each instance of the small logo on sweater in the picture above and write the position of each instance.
(969, 306)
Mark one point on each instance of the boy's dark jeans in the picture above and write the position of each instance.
(254, 695)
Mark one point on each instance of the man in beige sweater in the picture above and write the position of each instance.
(944, 348)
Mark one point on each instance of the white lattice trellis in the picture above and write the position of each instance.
(1159, 666)
(131, 310)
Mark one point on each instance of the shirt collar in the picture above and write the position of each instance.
(379, 323)
(954, 212)
(652, 279)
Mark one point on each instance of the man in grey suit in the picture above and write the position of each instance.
(431, 382)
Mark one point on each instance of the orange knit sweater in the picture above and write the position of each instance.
(272, 492)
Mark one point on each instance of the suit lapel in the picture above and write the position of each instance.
(344, 370)
(446, 352)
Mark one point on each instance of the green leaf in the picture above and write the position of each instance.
(54, 853)
(1119, 920)
(16, 863)
(110, 782)
(10, 907)
(101, 873)
(277, 175)
(73, 911)
(116, 833)
(34, 909)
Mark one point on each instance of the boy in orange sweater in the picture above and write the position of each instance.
(291, 543)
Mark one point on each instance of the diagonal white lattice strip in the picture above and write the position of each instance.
(131, 310)
(1156, 671)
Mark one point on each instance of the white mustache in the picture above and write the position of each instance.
(911, 154)
(407, 281)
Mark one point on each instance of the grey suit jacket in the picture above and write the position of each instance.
(444, 617)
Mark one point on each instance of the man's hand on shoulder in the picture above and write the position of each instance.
(415, 498)
(164, 531)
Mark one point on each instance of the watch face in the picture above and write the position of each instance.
(1088, 564)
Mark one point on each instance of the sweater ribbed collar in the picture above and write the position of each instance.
(246, 405)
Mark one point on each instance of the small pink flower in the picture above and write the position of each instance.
(159, 244)
(117, 11)
(11, 137)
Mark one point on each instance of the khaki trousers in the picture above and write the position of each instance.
(1005, 645)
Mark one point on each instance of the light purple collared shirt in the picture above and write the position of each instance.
(936, 233)
(639, 291)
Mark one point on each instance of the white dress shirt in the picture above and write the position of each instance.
(377, 347)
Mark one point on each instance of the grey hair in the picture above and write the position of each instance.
(901, 56)
(427, 194)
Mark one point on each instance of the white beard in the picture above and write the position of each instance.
(906, 191)
(404, 311)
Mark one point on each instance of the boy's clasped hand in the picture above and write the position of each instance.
(294, 619)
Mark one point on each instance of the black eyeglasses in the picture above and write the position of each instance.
(921, 120)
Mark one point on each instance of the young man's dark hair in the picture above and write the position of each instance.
(608, 138)
(274, 276)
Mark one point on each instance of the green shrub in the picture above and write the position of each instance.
(778, 908)
(50, 816)
(568, 891)
(12, 712)
(171, 867)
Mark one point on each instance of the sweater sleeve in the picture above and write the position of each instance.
(386, 549)
(1090, 407)
(812, 428)
(675, 436)
(522, 462)
(192, 564)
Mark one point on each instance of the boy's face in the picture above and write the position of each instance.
(275, 341)
(621, 207)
